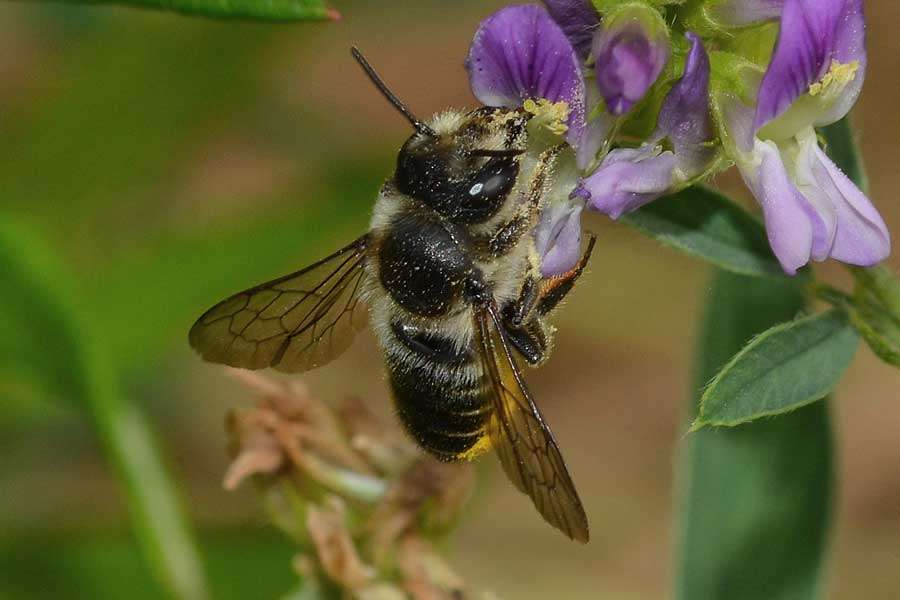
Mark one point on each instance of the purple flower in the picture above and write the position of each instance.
(628, 178)
(578, 19)
(520, 53)
(812, 210)
(520, 57)
(820, 58)
(557, 238)
(630, 52)
(684, 117)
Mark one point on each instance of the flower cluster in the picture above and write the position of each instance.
(659, 95)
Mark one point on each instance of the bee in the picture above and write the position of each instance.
(452, 281)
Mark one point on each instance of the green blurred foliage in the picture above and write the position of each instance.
(105, 565)
(84, 177)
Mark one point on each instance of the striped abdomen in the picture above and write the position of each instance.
(437, 391)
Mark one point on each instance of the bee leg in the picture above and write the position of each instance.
(516, 313)
(505, 237)
(555, 289)
(530, 341)
(524, 332)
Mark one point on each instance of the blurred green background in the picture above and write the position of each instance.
(151, 164)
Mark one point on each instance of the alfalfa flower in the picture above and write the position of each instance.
(812, 210)
(680, 150)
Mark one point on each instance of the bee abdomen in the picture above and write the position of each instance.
(446, 419)
(437, 392)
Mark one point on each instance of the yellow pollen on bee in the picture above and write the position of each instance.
(480, 447)
(553, 114)
(840, 74)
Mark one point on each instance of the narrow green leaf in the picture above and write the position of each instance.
(756, 499)
(39, 345)
(706, 224)
(52, 344)
(265, 10)
(787, 367)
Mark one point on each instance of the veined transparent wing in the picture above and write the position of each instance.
(521, 438)
(294, 323)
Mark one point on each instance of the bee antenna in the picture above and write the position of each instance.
(420, 126)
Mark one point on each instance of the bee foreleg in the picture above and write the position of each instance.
(530, 341)
(554, 290)
(518, 312)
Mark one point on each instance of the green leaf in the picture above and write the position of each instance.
(787, 367)
(755, 500)
(264, 10)
(706, 224)
(44, 336)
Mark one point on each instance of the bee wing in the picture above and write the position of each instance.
(521, 438)
(294, 323)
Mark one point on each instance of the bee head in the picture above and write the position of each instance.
(462, 166)
(466, 166)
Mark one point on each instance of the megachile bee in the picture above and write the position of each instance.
(453, 284)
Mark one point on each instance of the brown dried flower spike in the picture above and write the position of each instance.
(367, 503)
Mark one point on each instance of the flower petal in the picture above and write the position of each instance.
(793, 226)
(596, 131)
(813, 34)
(631, 51)
(861, 236)
(627, 179)
(557, 238)
(737, 13)
(518, 53)
(850, 47)
(684, 116)
(578, 19)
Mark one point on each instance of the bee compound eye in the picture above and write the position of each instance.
(479, 197)
(495, 180)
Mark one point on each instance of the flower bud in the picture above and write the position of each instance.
(630, 52)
